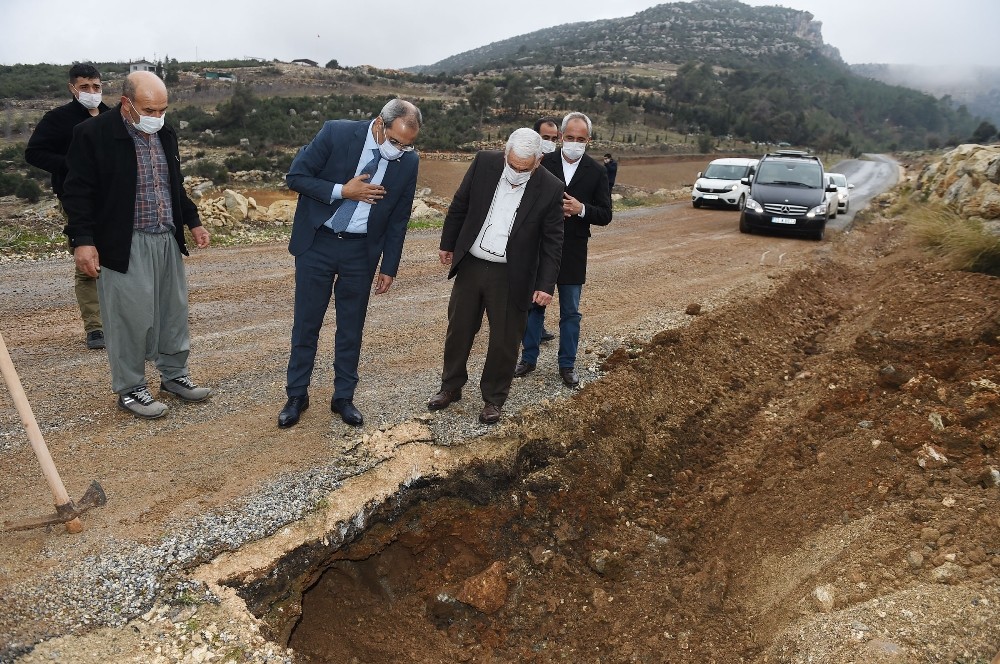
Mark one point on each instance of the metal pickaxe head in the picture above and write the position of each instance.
(94, 496)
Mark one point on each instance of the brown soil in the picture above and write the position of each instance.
(693, 505)
(825, 428)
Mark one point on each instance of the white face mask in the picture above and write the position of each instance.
(148, 124)
(387, 149)
(89, 99)
(548, 146)
(573, 151)
(515, 178)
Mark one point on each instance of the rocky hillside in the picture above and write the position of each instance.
(724, 32)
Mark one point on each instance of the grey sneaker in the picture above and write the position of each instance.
(185, 388)
(140, 402)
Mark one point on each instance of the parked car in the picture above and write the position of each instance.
(843, 191)
(721, 183)
(788, 192)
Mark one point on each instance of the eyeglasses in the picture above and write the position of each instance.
(396, 144)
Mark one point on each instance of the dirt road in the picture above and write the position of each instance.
(217, 457)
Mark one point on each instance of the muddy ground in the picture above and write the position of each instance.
(803, 471)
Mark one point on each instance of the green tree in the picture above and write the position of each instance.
(517, 94)
(170, 70)
(557, 72)
(333, 64)
(233, 113)
(984, 132)
(481, 99)
(620, 114)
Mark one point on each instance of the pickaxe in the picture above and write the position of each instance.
(67, 511)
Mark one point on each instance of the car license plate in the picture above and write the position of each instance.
(710, 197)
(782, 220)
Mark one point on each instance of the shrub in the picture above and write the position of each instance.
(29, 190)
(963, 243)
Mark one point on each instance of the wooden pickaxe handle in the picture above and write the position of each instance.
(10, 377)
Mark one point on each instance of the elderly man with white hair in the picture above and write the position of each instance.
(503, 239)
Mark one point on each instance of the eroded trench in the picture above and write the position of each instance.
(603, 536)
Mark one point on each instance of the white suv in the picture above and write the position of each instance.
(720, 183)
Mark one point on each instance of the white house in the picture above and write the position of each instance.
(141, 65)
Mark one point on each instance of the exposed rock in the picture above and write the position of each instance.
(487, 591)
(283, 211)
(967, 178)
(949, 572)
(236, 205)
(824, 597)
(421, 210)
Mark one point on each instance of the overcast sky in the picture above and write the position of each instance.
(952, 32)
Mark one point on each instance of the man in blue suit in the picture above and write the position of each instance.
(355, 182)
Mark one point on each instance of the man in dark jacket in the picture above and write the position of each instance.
(47, 150)
(586, 203)
(501, 240)
(611, 166)
(127, 211)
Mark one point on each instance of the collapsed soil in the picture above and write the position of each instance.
(806, 476)
(802, 472)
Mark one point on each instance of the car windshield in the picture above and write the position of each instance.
(839, 179)
(805, 174)
(725, 171)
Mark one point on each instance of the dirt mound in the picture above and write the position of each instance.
(811, 476)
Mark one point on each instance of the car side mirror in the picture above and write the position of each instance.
(699, 174)
(850, 186)
(745, 181)
(831, 187)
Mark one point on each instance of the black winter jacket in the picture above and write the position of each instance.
(99, 192)
(50, 141)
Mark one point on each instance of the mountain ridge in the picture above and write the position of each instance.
(730, 33)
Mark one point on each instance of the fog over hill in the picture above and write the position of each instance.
(976, 87)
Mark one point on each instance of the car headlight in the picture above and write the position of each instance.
(734, 187)
(818, 211)
(753, 206)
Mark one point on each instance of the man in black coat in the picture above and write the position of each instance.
(502, 238)
(127, 211)
(586, 203)
(611, 166)
(47, 150)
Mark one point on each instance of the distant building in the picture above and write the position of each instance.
(306, 61)
(141, 65)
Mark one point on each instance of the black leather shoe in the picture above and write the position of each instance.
(569, 376)
(523, 369)
(295, 406)
(348, 412)
(443, 399)
(546, 335)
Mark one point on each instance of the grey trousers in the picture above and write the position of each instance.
(145, 312)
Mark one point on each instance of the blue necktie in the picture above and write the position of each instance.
(342, 217)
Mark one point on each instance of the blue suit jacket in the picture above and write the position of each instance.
(332, 158)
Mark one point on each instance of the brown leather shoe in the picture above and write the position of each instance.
(443, 399)
(490, 414)
(523, 369)
(569, 376)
